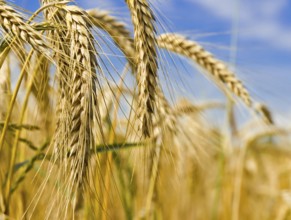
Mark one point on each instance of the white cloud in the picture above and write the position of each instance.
(259, 19)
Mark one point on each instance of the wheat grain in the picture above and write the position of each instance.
(13, 24)
(180, 45)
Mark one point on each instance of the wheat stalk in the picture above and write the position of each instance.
(180, 45)
(145, 45)
(13, 24)
(4, 89)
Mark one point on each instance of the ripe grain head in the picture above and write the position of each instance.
(180, 45)
(145, 45)
(13, 23)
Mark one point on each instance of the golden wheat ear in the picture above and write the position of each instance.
(180, 45)
(145, 46)
(14, 24)
(76, 58)
(82, 88)
(218, 69)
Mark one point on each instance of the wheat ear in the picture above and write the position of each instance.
(77, 64)
(180, 45)
(83, 65)
(13, 24)
(145, 45)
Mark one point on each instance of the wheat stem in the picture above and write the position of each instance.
(13, 99)
(15, 143)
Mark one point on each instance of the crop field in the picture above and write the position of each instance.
(103, 115)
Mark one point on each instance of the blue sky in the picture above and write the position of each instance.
(255, 35)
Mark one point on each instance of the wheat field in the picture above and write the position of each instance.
(92, 125)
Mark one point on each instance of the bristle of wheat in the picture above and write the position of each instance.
(180, 45)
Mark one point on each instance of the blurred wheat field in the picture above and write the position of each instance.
(92, 127)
